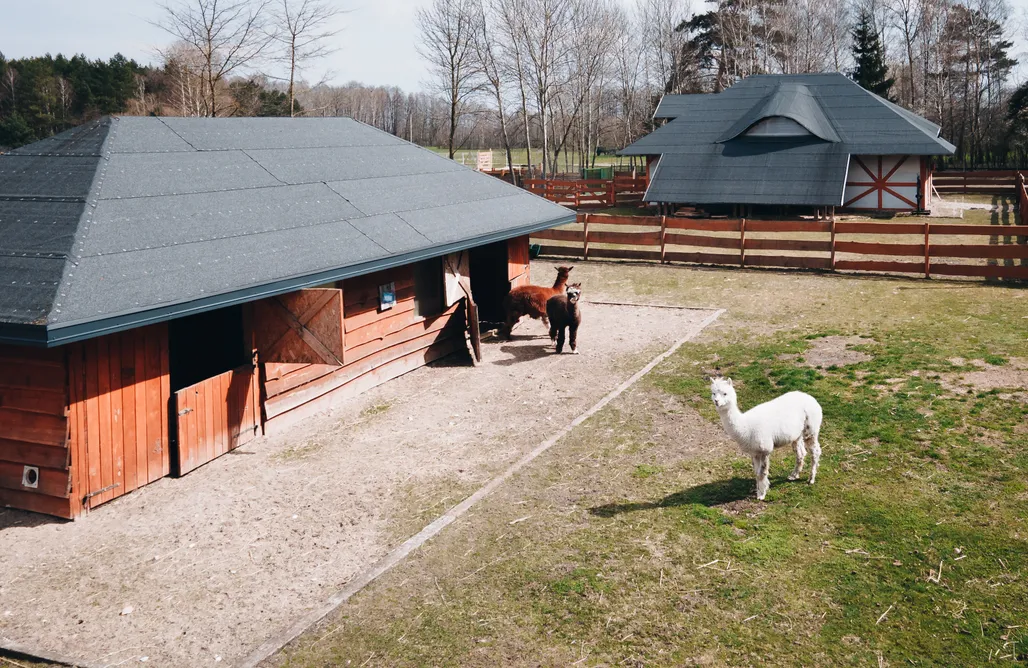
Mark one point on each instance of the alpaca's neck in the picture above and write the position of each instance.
(572, 308)
(734, 422)
(560, 283)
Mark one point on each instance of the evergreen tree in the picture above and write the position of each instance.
(871, 71)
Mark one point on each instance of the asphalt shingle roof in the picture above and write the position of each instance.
(131, 220)
(707, 157)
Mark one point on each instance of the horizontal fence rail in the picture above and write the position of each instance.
(982, 182)
(586, 193)
(1002, 250)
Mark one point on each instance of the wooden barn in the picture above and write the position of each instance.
(172, 288)
(809, 141)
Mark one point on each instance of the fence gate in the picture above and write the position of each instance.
(216, 415)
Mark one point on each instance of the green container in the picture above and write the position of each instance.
(603, 173)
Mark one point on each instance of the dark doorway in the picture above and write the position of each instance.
(489, 280)
(204, 345)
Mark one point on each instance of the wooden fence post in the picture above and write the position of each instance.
(612, 194)
(585, 239)
(831, 228)
(663, 237)
(742, 242)
(927, 251)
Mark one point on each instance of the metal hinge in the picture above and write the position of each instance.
(185, 411)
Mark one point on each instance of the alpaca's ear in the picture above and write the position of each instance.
(730, 383)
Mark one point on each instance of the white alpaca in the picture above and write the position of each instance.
(791, 419)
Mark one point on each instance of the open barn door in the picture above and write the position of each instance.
(299, 338)
(216, 415)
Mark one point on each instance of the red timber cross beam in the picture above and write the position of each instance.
(885, 190)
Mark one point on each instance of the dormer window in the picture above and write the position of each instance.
(777, 126)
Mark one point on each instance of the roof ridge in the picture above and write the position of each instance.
(85, 216)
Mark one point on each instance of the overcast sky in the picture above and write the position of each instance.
(376, 45)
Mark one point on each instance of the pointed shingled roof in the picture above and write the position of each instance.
(707, 157)
(128, 221)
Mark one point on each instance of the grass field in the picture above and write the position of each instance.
(636, 540)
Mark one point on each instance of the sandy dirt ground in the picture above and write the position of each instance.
(200, 570)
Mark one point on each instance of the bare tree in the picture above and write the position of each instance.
(663, 43)
(485, 52)
(227, 36)
(448, 32)
(510, 16)
(908, 17)
(301, 29)
(593, 24)
(628, 73)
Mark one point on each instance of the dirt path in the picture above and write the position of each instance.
(200, 570)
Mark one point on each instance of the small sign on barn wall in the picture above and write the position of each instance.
(386, 296)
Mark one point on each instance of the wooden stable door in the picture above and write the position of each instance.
(217, 415)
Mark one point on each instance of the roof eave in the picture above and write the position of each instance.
(23, 335)
(56, 335)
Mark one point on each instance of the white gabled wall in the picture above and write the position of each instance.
(887, 182)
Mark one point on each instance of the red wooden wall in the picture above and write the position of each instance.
(34, 431)
(377, 346)
(119, 390)
(517, 261)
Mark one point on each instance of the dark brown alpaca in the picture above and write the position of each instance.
(564, 312)
(530, 300)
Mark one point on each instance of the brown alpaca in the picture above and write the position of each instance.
(564, 314)
(530, 300)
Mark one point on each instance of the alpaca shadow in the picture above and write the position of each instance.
(519, 354)
(716, 493)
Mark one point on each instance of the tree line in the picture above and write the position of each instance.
(556, 80)
(566, 77)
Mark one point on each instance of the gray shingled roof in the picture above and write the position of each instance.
(765, 171)
(843, 118)
(132, 220)
(787, 100)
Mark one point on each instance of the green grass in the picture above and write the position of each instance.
(643, 544)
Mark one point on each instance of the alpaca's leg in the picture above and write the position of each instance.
(546, 321)
(553, 334)
(512, 319)
(573, 337)
(811, 433)
(801, 455)
(815, 452)
(560, 339)
(761, 468)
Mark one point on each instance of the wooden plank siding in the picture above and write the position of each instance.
(34, 428)
(215, 416)
(518, 261)
(119, 388)
(377, 345)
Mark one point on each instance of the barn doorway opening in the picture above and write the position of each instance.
(204, 345)
(489, 281)
(215, 404)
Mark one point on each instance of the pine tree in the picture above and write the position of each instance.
(871, 71)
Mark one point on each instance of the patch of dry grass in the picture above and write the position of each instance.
(636, 540)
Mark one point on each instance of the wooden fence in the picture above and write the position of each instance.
(991, 182)
(828, 245)
(590, 193)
